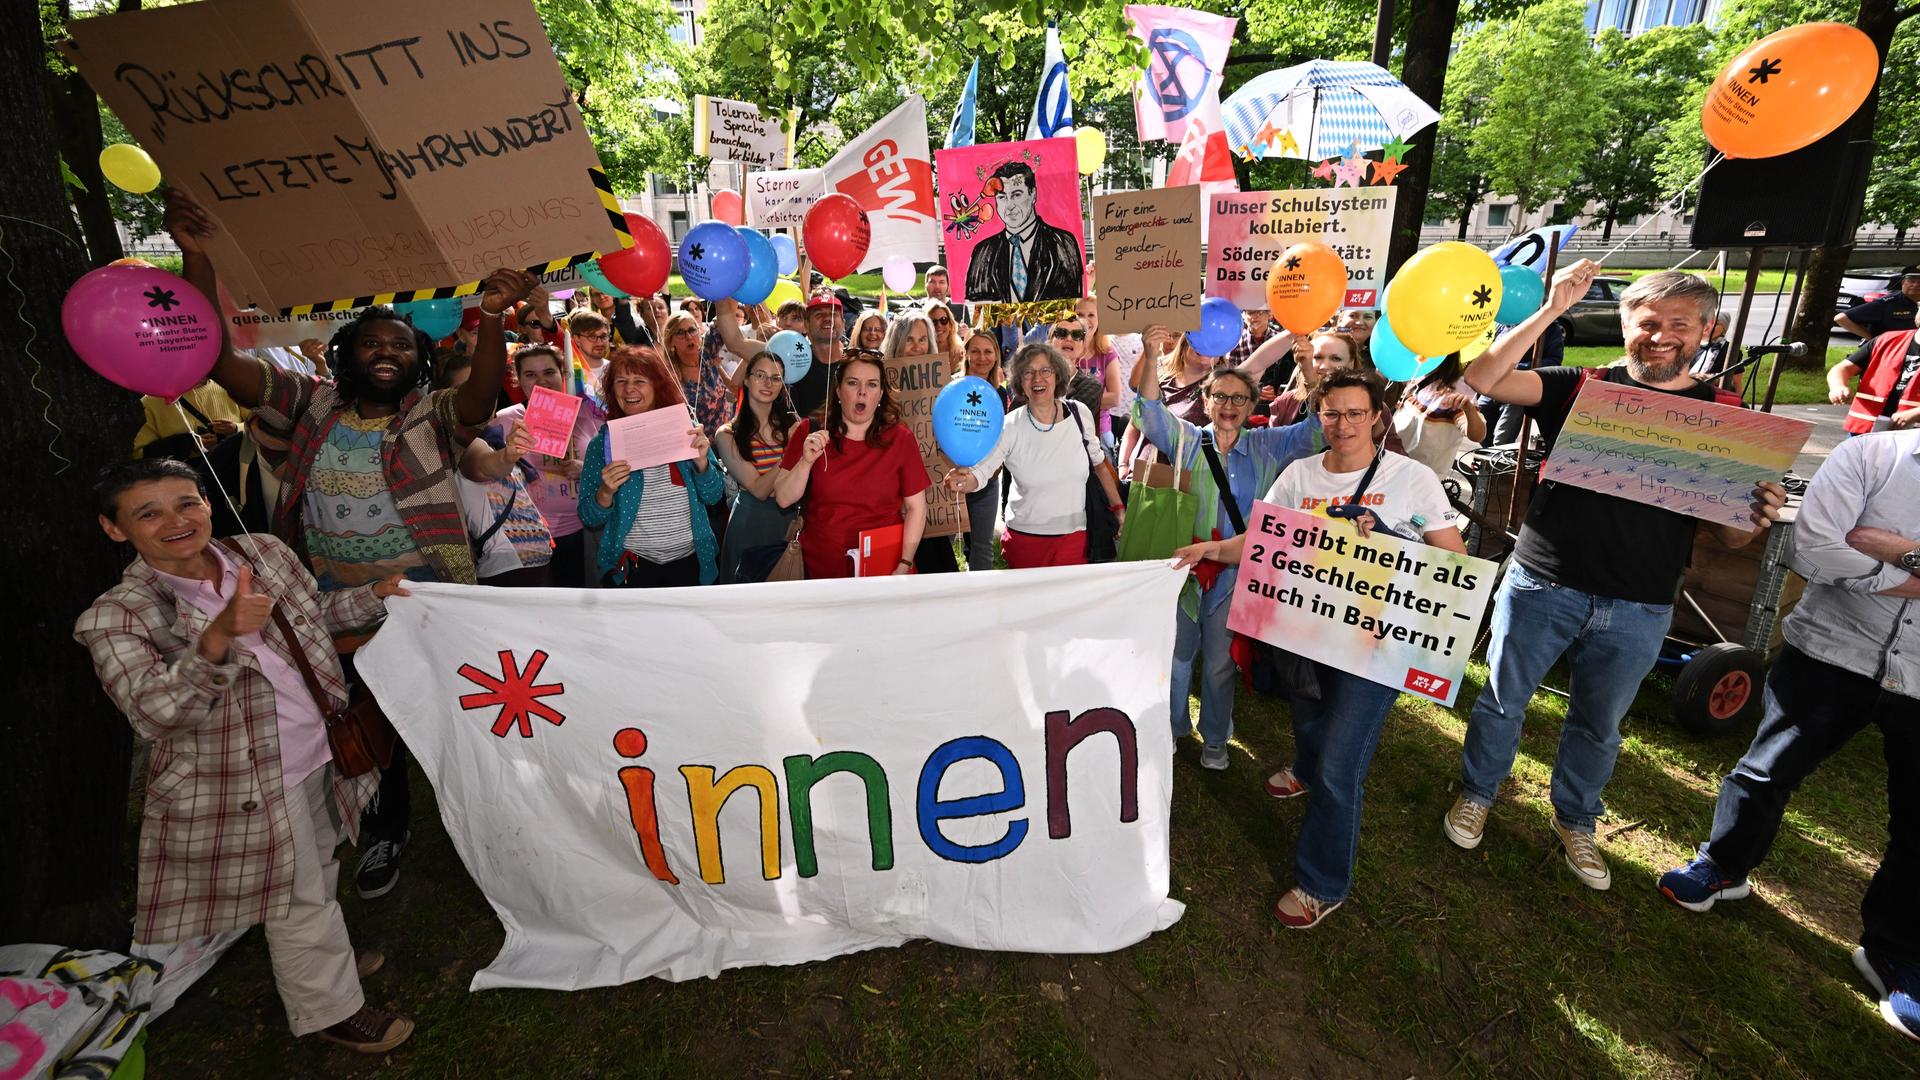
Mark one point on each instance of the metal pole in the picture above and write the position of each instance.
(1526, 422)
(1793, 308)
(1754, 260)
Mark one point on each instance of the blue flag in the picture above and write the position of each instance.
(1053, 105)
(961, 133)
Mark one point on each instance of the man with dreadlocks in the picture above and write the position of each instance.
(368, 488)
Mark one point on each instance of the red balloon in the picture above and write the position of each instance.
(837, 234)
(727, 207)
(641, 269)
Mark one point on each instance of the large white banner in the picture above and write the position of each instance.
(678, 782)
(887, 169)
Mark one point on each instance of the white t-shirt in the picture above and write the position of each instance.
(1431, 437)
(499, 555)
(1402, 490)
(1049, 470)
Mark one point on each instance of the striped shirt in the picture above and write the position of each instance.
(766, 455)
(663, 526)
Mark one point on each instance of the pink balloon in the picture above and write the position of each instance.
(142, 328)
(727, 207)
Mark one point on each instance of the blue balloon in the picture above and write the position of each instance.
(434, 318)
(713, 260)
(1394, 360)
(788, 254)
(761, 266)
(966, 420)
(590, 270)
(1219, 327)
(794, 351)
(1520, 295)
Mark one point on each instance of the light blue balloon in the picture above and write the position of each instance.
(761, 266)
(966, 420)
(788, 254)
(590, 270)
(1394, 360)
(1219, 327)
(795, 353)
(434, 318)
(1521, 292)
(713, 260)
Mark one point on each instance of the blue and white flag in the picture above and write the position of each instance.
(1053, 105)
(961, 132)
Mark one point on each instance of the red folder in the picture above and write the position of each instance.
(877, 552)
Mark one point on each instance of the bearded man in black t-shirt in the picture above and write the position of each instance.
(1594, 576)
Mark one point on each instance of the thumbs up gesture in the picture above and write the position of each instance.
(246, 612)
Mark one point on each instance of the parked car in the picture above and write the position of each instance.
(1860, 286)
(1595, 318)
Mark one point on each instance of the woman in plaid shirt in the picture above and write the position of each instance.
(243, 807)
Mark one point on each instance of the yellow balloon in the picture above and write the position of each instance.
(129, 168)
(1091, 144)
(1472, 350)
(784, 291)
(1443, 298)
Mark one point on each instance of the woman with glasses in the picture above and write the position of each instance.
(1049, 446)
(982, 350)
(910, 337)
(1334, 737)
(703, 383)
(869, 331)
(948, 334)
(750, 448)
(1248, 461)
(862, 472)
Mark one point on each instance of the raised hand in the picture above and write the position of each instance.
(815, 445)
(1571, 283)
(187, 222)
(504, 288)
(612, 478)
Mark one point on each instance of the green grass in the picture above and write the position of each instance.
(1798, 386)
(1487, 963)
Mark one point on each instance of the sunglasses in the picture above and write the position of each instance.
(1076, 335)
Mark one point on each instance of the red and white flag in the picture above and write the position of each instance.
(1204, 158)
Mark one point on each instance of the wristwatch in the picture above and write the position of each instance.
(1910, 561)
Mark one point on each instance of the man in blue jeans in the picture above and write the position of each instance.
(1852, 658)
(1593, 576)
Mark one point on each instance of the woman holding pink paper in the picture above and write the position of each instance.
(556, 486)
(654, 529)
(1335, 734)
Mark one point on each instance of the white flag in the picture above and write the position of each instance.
(1053, 102)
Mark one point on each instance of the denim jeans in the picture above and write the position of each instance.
(983, 507)
(1334, 740)
(1210, 641)
(1812, 709)
(1610, 646)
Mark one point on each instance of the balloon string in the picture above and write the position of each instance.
(1670, 206)
(214, 474)
(20, 312)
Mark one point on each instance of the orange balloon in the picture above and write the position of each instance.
(1306, 286)
(129, 261)
(1789, 89)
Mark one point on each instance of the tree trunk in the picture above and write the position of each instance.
(1461, 234)
(76, 113)
(63, 807)
(1606, 230)
(1900, 236)
(1813, 323)
(1429, 42)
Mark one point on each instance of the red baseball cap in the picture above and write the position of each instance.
(824, 300)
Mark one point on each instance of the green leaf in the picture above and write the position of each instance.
(66, 174)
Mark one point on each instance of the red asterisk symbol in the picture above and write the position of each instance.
(515, 693)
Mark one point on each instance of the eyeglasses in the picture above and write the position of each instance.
(1229, 399)
(685, 330)
(601, 336)
(1063, 332)
(1351, 416)
(768, 377)
(1037, 373)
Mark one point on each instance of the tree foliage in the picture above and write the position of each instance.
(1641, 79)
(1540, 124)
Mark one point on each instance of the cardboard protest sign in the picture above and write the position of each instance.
(549, 417)
(914, 381)
(1146, 251)
(1395, 612)
(359, 151)
(993, 193)
(664, 817)
(1698, 458)
(1247, 231)
(887, 170)
(736, 131)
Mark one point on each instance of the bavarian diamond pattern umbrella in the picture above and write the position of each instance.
(1317, 109)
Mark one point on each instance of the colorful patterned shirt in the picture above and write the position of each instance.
(353, 530)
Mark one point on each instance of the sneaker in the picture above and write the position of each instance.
(1285, 785)
(1213, 756)
(1466, 823)
(1698, 884)
(379, 868)
(370, 1031)
(1583, 858)
(1894, 990)
(368, 961)
(1298, 911)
